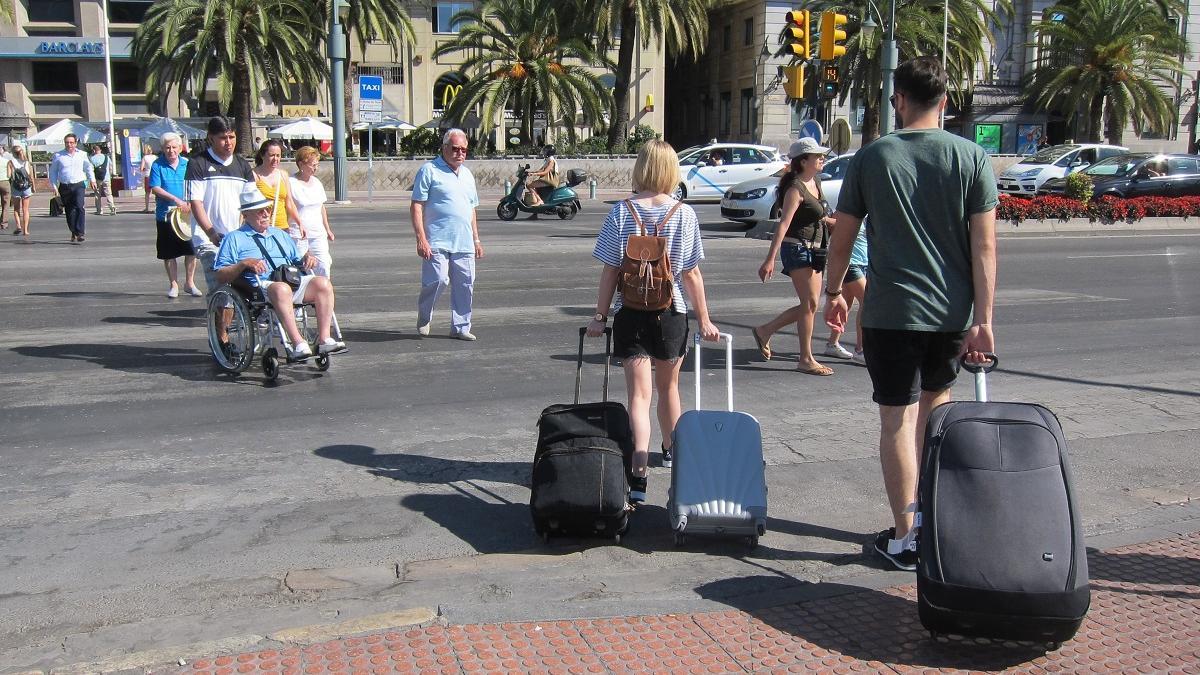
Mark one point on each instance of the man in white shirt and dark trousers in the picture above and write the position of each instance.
(70, 175)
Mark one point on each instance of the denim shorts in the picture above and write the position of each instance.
(855, 272)
(794, 257)
(661, 334)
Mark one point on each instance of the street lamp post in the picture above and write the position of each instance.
(889, 60)
(337, 86)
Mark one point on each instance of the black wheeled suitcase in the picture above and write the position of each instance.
(1000, 547)
(56, 208)
(580, 480)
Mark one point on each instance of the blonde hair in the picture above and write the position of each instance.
(656, 169)
(306, 153)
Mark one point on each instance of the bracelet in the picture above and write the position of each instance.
(832, 294)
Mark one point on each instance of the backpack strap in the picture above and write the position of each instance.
(661, 225)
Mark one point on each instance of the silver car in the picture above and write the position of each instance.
(707, 171)
(755, 200)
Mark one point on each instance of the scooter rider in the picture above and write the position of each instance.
(546, 176)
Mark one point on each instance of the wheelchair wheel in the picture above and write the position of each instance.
(270, 363)
(235, 355)
(322, 362)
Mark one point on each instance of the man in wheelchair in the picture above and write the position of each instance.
(255, 258)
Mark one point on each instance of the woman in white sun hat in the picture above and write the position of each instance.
(799, 241)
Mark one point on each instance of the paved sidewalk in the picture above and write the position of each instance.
(1145, 617)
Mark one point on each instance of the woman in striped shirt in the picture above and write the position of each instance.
(651, 344)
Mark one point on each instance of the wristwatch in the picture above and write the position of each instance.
(600, 317)
(832, 294)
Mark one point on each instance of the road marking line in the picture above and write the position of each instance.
(1120, 255)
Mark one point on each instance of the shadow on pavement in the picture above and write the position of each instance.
(163, 317)
(1133, 572)
(1095, 383)
(486, 526)
(423, 469)
(369, 335)
(186, 364)
(101, 295)
(874, 626)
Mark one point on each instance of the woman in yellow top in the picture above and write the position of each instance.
(273, 183)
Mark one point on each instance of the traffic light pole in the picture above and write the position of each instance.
(337, 59)
(888, 64)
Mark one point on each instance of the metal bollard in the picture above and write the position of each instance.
(592, 189)
(507, 186)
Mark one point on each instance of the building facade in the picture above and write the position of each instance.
(52, 67)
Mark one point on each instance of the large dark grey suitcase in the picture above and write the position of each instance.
(581, 465)
(718, 486)
(1000, 546)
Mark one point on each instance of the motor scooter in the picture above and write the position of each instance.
(562, 200)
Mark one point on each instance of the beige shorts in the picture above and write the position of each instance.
(298, 296)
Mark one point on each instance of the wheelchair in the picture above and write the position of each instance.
(255, 330)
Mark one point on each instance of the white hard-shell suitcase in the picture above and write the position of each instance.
(718, 486)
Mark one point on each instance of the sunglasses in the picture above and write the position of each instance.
(458, 149)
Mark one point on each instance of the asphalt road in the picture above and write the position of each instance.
(146, 500)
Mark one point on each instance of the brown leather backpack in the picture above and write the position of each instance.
(645, 278)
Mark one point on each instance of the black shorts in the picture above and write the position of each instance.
(903, 363)
(662, 334)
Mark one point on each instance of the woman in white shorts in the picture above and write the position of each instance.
(309, 195)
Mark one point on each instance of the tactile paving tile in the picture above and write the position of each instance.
(1144, 618)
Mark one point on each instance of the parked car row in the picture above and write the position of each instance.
(746, 177)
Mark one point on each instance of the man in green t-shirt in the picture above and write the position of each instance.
(932, 200)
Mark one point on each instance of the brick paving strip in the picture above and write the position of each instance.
(1145, 617)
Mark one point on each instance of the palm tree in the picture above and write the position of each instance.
(918, 32)
(680, 25)
(248, 46)
(369, 21)
(7, 11)
(523, 56)
(1117, 58)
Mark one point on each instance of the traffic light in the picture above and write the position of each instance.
(794, 85)
(799, 34)
(831, 81)
(832, 36)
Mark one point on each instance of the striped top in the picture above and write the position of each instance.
(683, 242)
(218, 185)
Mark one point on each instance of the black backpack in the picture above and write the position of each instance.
(19, 179)
(102, 170)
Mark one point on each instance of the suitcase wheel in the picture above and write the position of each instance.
(752, 540)
(617, 539)
(1054, 646)
(680, 538)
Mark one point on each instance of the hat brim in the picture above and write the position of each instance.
(811, 151)
(180, 224)
(255, 205)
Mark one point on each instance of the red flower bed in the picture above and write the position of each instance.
(1106, 208)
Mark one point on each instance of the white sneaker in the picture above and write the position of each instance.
(837, 351)
(859, 358)
(300, 351)
(465, 335)
(331, 346)
(173, 292)
(423, 330)
(194, 292)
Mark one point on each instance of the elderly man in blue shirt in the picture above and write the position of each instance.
(443, 219)
(249, 255)
(70, 173)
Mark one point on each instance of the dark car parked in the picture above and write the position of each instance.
(1139, 174)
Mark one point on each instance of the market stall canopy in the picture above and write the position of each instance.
(51, 138)
(303, 128)
(387, 124)
(162, 125)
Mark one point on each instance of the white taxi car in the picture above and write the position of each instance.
(754, 200)
(707, 171)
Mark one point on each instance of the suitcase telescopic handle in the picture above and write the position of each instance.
(579, 359)
(728, 369)
(981, 370)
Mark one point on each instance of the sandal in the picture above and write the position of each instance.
(764, 347)
(818, 370)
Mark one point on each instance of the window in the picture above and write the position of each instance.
(1179, 166)
(727, 38)
(725, 112)
(748, 156)
(130, 107)
(52, 10)
(748, 32)
(57, 108)
(128, 11)
(747, 111)
(127, 78)
(55, 77)
(443, 13)
(390, 74)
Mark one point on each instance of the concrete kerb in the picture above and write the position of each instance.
(1073, 226)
